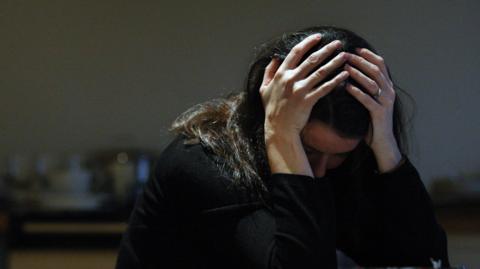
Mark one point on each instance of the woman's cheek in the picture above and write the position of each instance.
(335, 161)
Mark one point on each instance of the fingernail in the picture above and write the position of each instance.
(358, 50)
(277, 56)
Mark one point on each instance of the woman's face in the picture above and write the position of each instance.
(325, 149)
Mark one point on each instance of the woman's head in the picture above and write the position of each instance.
(339, 109)
(233, 128)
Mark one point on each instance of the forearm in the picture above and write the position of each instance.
(286, 154)
(298, 231)
(388, 156)
(408, 219)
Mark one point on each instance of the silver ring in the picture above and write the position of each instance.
(379, 92)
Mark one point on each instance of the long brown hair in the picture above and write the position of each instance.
(232, 127)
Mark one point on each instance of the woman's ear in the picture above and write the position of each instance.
(368, 136)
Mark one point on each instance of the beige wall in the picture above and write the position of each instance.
(77, 75)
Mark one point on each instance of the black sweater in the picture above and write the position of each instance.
(190, 216)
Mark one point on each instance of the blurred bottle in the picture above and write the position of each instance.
(122, 170)
(20, 170)
(46, 164)
(143, 172)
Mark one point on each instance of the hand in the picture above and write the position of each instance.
(288, 96)
(370, 71)
(287, 92)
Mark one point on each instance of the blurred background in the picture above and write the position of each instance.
(89, 88)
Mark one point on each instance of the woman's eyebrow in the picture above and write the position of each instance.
(314, 149)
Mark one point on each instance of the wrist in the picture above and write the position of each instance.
(286, 154)
(399, 164)
(272, 137)
(282, 135)
(388, 160)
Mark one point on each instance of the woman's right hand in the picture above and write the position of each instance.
(288, 97)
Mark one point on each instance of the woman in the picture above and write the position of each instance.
(309, 159)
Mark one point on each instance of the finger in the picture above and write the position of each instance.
(369, 69)
(297, 52)
(375, 59)
(326, 87)
(370, 85)
(321, 73)
(270, 71)
(316, 58)
(365, 99)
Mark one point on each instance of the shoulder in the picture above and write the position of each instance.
(186, 175)
(181, 158)
(187, 163)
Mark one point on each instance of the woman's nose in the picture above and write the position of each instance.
(320, 166)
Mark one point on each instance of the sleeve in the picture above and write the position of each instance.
(298, 231)
(407, 232)
(301, 232)
(155, 235)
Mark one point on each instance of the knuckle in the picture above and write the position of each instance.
(332, 45)
(362, 96)
(394, 93)
(296, 51)
(376, 69)
(320, 73)
(263, 92)
(279, 75)
(337, 60)
(353, 72)
(339, 79)
(391, 100)
(323, 86)
(381, 77)
(298, 86)
(327, 85)
(313, 59)
(287, 77)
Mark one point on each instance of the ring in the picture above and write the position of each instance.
(379, 92)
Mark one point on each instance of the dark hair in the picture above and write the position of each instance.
(232, 128)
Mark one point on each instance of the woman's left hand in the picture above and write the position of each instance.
(370, 71)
